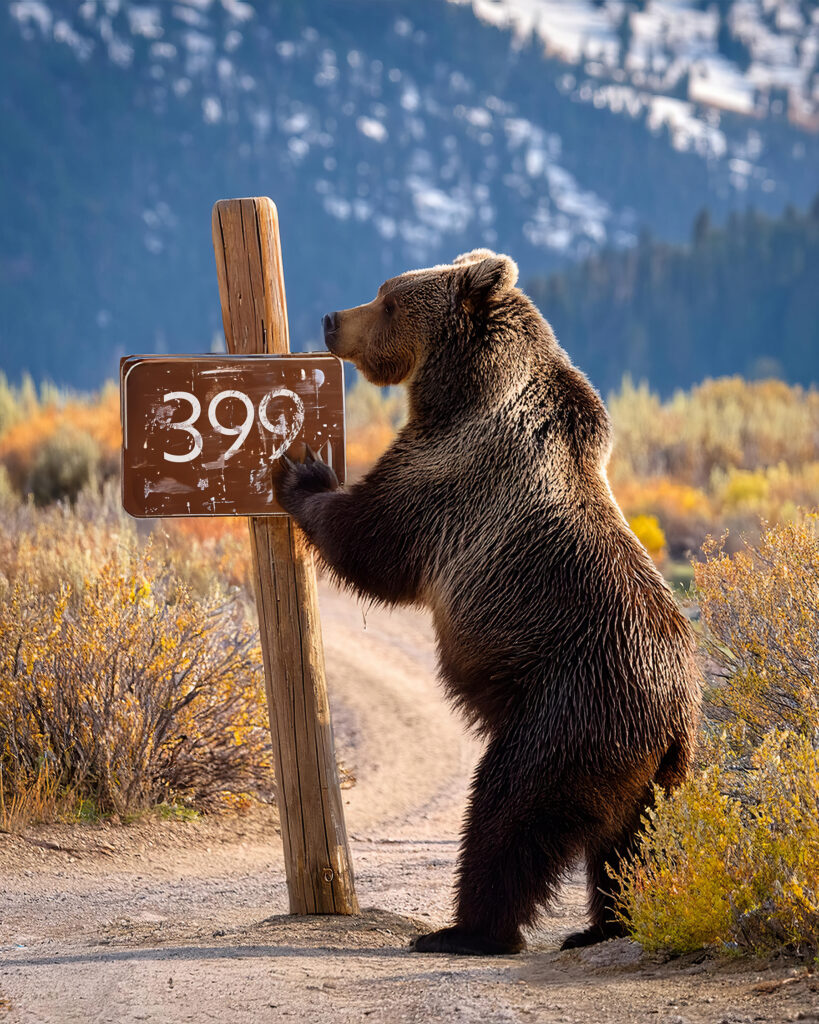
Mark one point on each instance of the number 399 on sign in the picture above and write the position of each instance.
(202, 434)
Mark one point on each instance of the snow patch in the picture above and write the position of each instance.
(373, 129)
(212, 109)
(26, 11)
(239, 10)
(145, 21)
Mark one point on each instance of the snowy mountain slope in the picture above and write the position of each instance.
(755, 57)
(389, 134)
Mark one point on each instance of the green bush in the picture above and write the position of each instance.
(63, 466)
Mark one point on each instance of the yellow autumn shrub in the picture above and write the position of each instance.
(741, 498)
(743, 488)
(117, 685)
(762, 615)
(676, 895)
(650, 534)
(731, 859)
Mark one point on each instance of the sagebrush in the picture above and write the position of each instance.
(731, 859)
(761, 609)
(117, 684)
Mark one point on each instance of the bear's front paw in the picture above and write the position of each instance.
(463, 943)
(297, 480)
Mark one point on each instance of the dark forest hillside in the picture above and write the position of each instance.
(739, 298)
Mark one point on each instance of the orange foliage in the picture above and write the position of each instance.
(365, 445)
(206, 546)
(684, 512)
(207, 529)
(661, 496)
(97, 416)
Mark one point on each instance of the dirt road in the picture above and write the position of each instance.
(175, 921)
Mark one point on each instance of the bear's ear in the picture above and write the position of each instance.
(485, 276)
(473, 257)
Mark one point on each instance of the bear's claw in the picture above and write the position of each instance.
(459, 942)
(298, 479)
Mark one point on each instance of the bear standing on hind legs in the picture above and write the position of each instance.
(556, 634)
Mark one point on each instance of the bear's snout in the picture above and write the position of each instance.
(330, 324)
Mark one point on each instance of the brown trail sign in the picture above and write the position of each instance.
(201, 436)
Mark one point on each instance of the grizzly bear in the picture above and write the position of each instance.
(556, 634)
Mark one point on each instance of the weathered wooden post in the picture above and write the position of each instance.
(316, 851)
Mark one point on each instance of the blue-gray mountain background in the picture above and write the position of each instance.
(651, 166)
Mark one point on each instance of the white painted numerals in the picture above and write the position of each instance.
(242, 431)
(282, 427)
(187, 424)
(288, 433)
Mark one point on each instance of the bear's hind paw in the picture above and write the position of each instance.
(463, 943)
(590, 936)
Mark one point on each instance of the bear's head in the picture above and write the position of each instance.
(389, 338)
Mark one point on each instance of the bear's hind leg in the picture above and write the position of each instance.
(603, 890)
(514, 853)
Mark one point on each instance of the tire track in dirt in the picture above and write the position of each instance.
(410, 753)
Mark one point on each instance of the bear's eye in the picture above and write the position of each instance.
(389, 306)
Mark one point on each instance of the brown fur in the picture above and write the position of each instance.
(556, 633)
